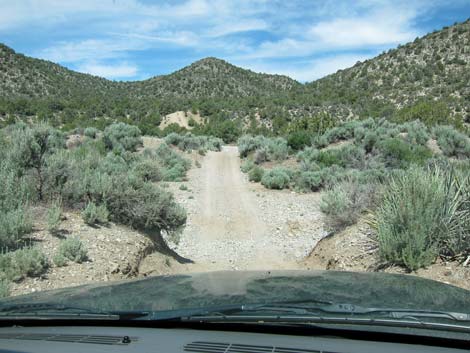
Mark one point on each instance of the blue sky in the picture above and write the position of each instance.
(137, 39)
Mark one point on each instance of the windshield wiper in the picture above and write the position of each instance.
(56, 311)
(300, 308)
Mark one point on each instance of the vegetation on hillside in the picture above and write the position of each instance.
(103, 177)
(426, 79)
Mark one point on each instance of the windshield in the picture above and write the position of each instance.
(315, 154)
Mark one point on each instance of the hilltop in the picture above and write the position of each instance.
(428, 76)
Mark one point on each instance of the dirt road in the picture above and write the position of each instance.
(238, 225)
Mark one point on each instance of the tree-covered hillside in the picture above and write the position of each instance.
(427, 79)
(434, 67)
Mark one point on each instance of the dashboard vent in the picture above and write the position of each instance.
(111, 340)
(215, 347)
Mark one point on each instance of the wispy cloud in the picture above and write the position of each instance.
(114, 71)
(310, 70)
(290, 37)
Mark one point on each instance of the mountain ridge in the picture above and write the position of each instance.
(434, 67)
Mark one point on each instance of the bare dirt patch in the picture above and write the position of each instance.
(181, 118)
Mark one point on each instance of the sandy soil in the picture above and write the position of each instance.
(181, 118)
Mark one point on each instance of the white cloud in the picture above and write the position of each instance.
(311, 69)
(122, 70)
(386, 26)
(89, 33)
(90, 49)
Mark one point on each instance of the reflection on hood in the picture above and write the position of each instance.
(222, 288)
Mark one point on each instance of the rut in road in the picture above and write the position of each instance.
(225, 228)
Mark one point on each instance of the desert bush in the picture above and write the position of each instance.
(308, 159)
(59, 260)
(351, 156)
(4, 288)
(72, 249)
(30, 147)
(277, 149)
(417, 132)
(451, 142)
(249, 143)
(260, 155)
(189, 142)
(247, 165)
(16, 192)
(346, 201)
(309, 181)
(256, 174)
(397, 153)
(146, 208)
(297, 140)
(58, 170)
(14, 225)
(25, 262)
(147, 170)
(54, 216)
(276, 178)
(122, 137)
(93, 214)
(91, 132)
(422, 212)
(174, 166)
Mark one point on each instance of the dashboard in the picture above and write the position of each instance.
(174, 340)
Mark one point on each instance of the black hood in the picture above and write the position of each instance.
(223, 288)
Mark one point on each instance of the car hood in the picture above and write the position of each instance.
(241, 287)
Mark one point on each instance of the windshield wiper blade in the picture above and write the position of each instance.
(296, 308)
(50, 310)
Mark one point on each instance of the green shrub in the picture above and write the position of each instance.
(189, 142)
(174, 166)
(451, 142)
(266, 149)
(417, 133)
(308, 159)
(345, 202)
(54, 217)
(147, 170)
(25, 262)
(4, 288)
(122, 137)
(309, 181)
(72, 249)
(59, 260)
(298, 140)
(277, 149)
(260, 155)
(93, 214)
(400, 154)
(422, 212)
(256, 174)
(276, 178)
(247, 165)
(91, 132)
(146, 208)
(14, 225)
